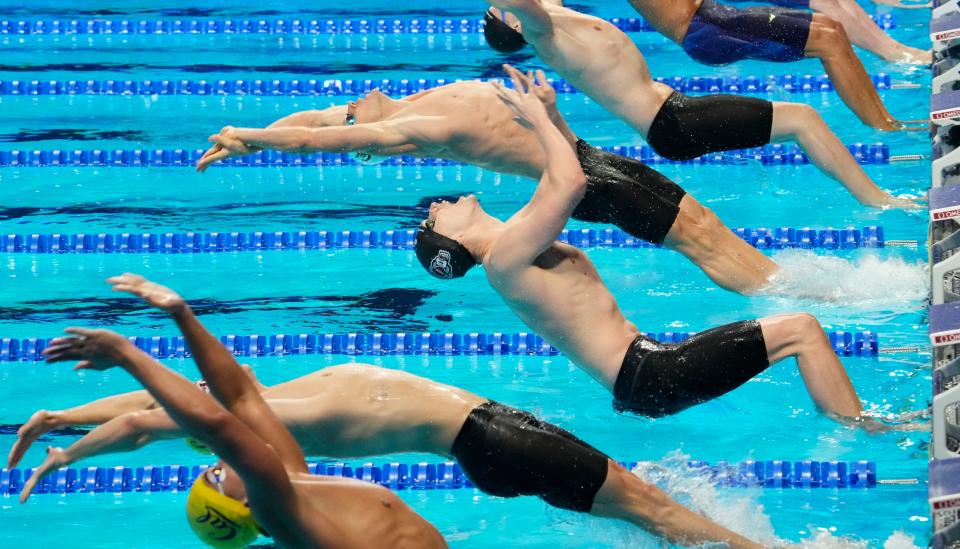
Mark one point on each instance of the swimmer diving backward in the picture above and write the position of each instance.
(556, 290)
(262, 486)
(857, 24)
(466, 122)
(602, 61)
(504, 451)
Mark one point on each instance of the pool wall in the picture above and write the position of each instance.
(944, 469)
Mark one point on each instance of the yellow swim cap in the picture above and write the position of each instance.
(218, 520)
(198, 446)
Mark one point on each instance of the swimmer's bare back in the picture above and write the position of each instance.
(597, 58)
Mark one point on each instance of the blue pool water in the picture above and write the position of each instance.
(317, 291)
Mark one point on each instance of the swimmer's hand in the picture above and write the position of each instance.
(156, 295)
(55, 460)
(523, 99)
(39, 424)
(226, 145)
(540, 86)
(95, 349)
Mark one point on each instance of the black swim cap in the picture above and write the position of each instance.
(500, 36)
(441, 256)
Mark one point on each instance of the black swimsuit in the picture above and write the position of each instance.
(507, 452)
(627, 193)
(658, 380)
(687, 127)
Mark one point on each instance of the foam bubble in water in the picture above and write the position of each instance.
(867, 281)
(737, 509)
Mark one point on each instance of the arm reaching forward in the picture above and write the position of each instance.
(536, 226)
(374, 138)
(269, 490)
(125, 433)
(224, 376)
(93, 413)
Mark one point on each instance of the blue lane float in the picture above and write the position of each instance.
(433, 476)
(219, 242)
(356, 26)
(768, 155)
(844, 343)
(793, 83)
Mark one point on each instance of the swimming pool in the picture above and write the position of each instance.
(370, 290)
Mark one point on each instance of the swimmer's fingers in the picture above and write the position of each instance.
(53, 461)
(206, 161)
(520, 82)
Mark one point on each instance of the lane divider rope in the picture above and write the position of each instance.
(793, 83)
(863, 343)
(768, 155)
(436, 476)
(399, 25)
(780, 238)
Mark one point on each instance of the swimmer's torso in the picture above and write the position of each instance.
(601, 61)
(482, 129)
(346, 513)
(562, 298)
(671, 18)
(356, 410)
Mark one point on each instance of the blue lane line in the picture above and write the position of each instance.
(768, 155)
(793, 83)
(354, 26)
(871, 236)
(864, 343)
(434, 476)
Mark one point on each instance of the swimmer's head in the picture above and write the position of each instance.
(502, 31)
(439, 248)
(217, 512)
(362, 157)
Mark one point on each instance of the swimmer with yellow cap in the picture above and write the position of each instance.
(263, 483)
(217, 519)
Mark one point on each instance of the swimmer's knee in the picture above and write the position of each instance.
(828, 33)
(795, 328)
(645, 500)
(793, 119)
(696, 225)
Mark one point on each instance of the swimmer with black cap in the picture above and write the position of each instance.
(556, 290)
(504, 451)
(467, 122)
(262, 483)
(601, 61)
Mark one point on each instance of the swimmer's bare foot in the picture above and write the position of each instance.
(921, 125)
(874, 426)
(903, 203)
(914, 56)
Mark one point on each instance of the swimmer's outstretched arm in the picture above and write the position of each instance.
(269, 490)
(536, 226)
(125, 433)
(227, 381)
(384, 137)
(92, 413)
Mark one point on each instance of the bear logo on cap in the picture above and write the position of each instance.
(440, 265)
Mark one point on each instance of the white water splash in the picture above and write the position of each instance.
(737, 509)
(867, 282)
